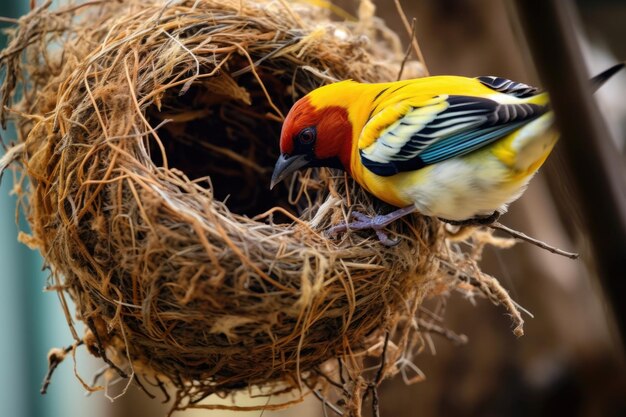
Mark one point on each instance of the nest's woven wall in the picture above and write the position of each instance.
(172, 284)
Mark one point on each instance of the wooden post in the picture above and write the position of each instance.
(592, 159)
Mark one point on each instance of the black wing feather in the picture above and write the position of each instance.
(509, 87)
(491, 121)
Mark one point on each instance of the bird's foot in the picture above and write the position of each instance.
(376, 223)
(475, 221)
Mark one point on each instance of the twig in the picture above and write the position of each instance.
(375, 402)
(380, 374)
(99, 373)
(373, 386)
(166, 394)
(407, 53)
(340, 366)
(407, 26)
(55, 357)
(457, 339)
(325, 402)
(144, 389)
(519, 235)
(330, 381)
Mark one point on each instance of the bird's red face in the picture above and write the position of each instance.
(313, 137)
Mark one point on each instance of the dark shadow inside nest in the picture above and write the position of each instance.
(209, 133)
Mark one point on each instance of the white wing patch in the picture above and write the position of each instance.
(421, 126)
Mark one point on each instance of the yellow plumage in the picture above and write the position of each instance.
(475, 182)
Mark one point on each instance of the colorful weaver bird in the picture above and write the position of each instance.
(460, 149)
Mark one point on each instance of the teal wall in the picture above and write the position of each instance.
(31, 320)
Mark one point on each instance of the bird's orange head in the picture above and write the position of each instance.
(314, 136)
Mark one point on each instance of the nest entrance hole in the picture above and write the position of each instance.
(222, 130)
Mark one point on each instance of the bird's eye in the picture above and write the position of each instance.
(307, 136)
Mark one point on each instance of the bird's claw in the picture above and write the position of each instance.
(385, 240)
(376, 223)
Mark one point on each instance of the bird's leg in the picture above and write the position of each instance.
(376, 223)
(475, 221)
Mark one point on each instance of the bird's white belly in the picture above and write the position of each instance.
(463, 188)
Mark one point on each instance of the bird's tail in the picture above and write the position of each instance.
(533, 142)
(599, 80)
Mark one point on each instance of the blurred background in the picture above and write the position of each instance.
(571, 361)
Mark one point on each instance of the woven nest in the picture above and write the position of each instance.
(148, 132)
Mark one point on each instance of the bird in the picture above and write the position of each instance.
(457, 148)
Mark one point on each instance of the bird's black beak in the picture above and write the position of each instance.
(287, 165)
